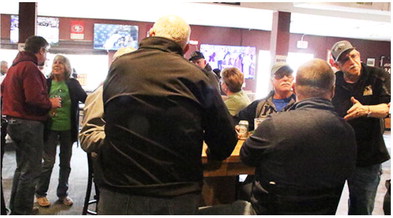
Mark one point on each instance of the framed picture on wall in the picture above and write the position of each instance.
(371, 62)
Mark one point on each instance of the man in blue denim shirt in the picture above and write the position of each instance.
(363, 98)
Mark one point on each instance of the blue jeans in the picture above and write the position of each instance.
(28, 136)
(114, 203)
(64, 138)
(363, 186)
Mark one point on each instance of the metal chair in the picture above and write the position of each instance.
(90, 183)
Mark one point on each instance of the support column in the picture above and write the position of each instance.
(279, 38)
(27, 20)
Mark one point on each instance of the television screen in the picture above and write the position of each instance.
(115, 36)
(223, 56)
(47, 27)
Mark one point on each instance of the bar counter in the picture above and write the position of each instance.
(232, 166)
(221, 177)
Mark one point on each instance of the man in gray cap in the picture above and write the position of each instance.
(280, 98)
(304, 155)
(199, 59)
(363, 99)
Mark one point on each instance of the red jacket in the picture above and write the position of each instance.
(24, 90)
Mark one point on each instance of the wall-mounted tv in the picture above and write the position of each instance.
(47, 27)
(223, 56)
(115, 36)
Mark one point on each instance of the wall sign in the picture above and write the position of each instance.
(77, 29)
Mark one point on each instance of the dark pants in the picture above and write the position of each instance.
(28, 136)
(113, 203)
(363, 185)
(64, 139)
(3, 134)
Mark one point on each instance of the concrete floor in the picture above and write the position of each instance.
(78, 182)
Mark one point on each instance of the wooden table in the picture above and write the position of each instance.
(221, 178)
(232, 166)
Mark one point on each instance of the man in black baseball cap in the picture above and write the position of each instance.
(196, 55)
(362, 97)
(199, 59)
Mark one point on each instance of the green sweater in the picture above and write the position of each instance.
(236, 102)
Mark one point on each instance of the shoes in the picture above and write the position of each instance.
(67, 201)
(43, 201)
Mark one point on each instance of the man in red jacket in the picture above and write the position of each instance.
(26, 105)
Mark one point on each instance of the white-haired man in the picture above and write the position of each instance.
(158, 109)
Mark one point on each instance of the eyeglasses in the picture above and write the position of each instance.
(351, 55)
(281, 75)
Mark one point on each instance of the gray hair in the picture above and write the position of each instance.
(67, 65)
(172, 27)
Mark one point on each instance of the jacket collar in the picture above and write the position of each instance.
(25, 56)
(161, 43)
(319, 103)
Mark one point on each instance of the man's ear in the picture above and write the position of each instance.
(333, 91)
(293, 88)
(186, 48)
(42, 51)
(151, 33)
(336, 65)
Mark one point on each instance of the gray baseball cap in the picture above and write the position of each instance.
(277, 66)
(339, 48)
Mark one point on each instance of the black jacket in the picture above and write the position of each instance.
(159, 108)
(77, 94)
(303, 157)
(372, 88)
(213, 78)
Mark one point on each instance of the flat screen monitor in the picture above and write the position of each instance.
(115, 36)
(223, 56)
(47, 27)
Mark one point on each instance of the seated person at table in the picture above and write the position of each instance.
(231, 85)
(302, 156)
(279, 99)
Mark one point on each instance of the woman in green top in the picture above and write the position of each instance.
(62, 128)
(232, 82)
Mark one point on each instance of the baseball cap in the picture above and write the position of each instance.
(279, 65)
(339, 48)
(196, 55)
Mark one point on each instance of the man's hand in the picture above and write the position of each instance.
(56, 102)
(357, 110)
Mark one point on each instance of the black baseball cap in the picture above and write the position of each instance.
(196, 55)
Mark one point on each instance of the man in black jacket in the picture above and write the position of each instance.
(158, 109)
(363, 98)
(302, 156)
(198, 59)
